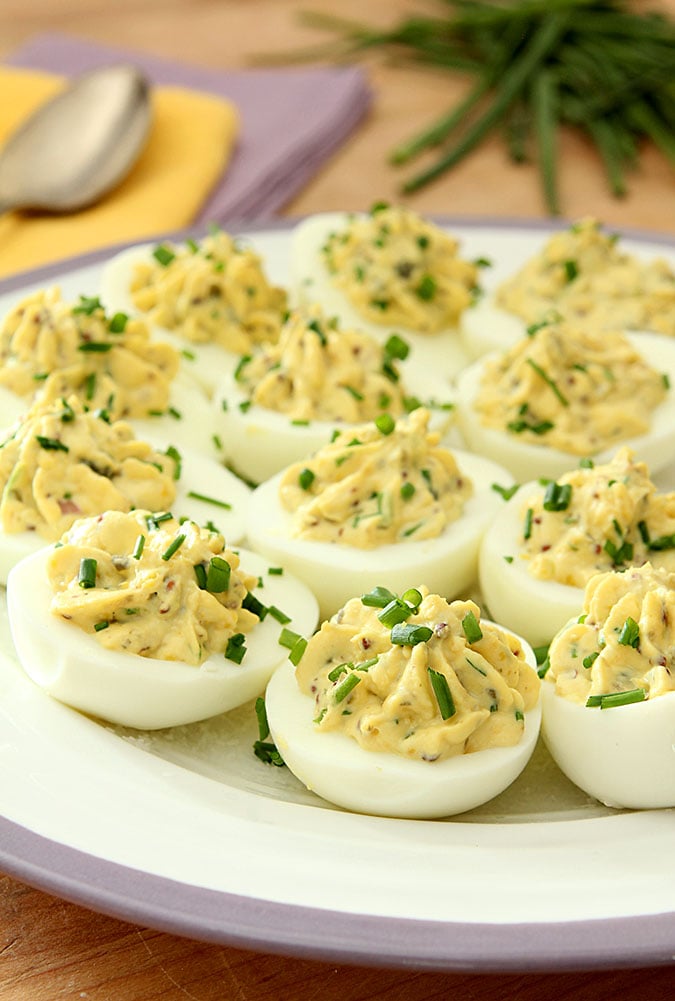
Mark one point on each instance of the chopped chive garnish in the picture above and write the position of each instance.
(90, 386)
(426, 290)
(245, 406)
(396, 611)
(441, 689)
(288, 638)
(571, 270)
(200, 574)
(173, 453)
(118, 323)
(88, 305)
(385, 423)
(277, 614)
(297, 650)
(644, 532)
(251, 604)
(235, 649)
(549, 381)
(476, 667)
(40, 376)
(396, 347)
(619, 554)
(218, 575)
(156, 519)
(138, 547)
(176, 414)
(174, 547)
(405, 634)
(51, 444)
(354, 392)
(95, 347)
(590, 659)
(630, 633)
(379, 597)
(557, 496)
(471, 628)
(344, 687)
(241, 365)
(163, 254)
(527, 527)
(305, 478)
(586, 463)
(98, 626)
(267, 752)
(662, 542)
(209, 500)
(275, 571)
(341, 669)
(543, 667)
(505, 492)
(412, 597)
(367, 664)
(86, 576)
(407, 491)
(610, 700)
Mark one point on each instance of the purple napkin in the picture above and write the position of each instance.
(292, 120)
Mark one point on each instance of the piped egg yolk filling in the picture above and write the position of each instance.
(397, 269)
(582, 274)
(417, 676)
(598, 518)
(213, 290)
(109, 361)
(379, 483)
(143, 583)
(63, 462)
(621, 650)
(579, 391)
(316, 371)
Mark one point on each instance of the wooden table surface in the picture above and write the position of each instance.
(51, 949)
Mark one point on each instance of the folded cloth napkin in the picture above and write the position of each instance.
(189, 145)
(292, 120)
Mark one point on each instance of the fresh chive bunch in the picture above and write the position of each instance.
(536, 64)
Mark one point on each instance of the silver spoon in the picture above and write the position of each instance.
(78, 145)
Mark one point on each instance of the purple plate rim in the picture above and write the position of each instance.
(326, 935)
(248, 923)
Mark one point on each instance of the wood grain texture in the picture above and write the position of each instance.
(52, 950)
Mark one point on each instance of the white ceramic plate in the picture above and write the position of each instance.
(185, 830)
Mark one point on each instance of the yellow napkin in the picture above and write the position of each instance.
(189, 146)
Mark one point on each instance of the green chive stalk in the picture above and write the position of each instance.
(534, 65)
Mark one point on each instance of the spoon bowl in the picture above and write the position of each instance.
(78, 145)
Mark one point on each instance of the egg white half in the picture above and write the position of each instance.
(203, 362)
(530, 461)
(199, 474)
(486, 327)
(144, 692)
(259, 442)
(624, 756)
(447, 565)
(442, 353)
(536, 609)
(337, 768)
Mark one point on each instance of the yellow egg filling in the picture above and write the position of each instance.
(417, 676)
(213, 290)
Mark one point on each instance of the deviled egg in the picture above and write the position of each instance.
(209, 298)
(285, 400)
(382, 503)
(609, 692)
(52, 348)
(565, 392)
(150, 623)
(63, 462)
(387, 271)
(406, 706)
(581, 274)
(549, 539)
